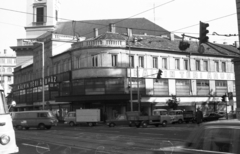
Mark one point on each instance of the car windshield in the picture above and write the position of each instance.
(3, 104)
(50, 115)
(214, 138)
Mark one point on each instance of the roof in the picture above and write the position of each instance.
(110, 36)
(161, 43)
(85, 28)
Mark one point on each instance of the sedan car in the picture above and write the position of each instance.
(211, 117)
(120, 120)
(218, 137)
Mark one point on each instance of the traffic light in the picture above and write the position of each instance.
(183, 45)
(203, 38)
(224, 98)
(159, 75)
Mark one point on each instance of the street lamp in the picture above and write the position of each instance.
(43, 83)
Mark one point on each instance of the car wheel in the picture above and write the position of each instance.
(187, 122)
(27, 128)
(144, 124)
(19, 127)
(164, 123)
(71, 124)
(130, 124)
(112, 125)
(180, 121)
(41, 126)
(48, 127)
(90, 124)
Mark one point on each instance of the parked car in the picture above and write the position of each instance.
(40, 119)
(121, 119)
(222, 113)
(189, 116)
(176, 116)
(211, 117)
(219, 137)
(232, 115)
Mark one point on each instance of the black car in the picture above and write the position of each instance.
(218, 137)
(212, 117)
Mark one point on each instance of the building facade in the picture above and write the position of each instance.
(115, 69)
(7, 65)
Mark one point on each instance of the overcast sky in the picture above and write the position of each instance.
(173, 15)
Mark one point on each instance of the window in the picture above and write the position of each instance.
(221, 87)
(94, 61)
(182, 87)
(177, 65)
(216, 66)
(205, 65)
(203, 87)
(114, 60)
(40, 14)
(9, 61)
(69, 64)
(224, 67)
(141, 61)
(9, 69)
(197, 65)
(160, 87)
(185, 64)
(164, 63)
(155, 62)
(9, 79)
(131, 61)
(42, 115)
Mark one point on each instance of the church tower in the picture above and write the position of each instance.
(42, 16)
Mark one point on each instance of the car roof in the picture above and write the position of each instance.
(31, 111)
(159, 110)
(232, 122)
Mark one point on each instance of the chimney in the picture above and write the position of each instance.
(225, 43)
(144, 33)
(171, 37)
(236, 44)
(129, 32)
(95, 32)
(112, 28)
(214, 42)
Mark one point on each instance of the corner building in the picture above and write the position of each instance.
(96, 70)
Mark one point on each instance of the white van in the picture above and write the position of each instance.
(39, 119)
(176, 116)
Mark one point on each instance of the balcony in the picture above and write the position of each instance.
(20, 42)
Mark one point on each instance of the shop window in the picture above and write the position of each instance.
(115, 86)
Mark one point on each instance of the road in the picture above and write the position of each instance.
(101, 139)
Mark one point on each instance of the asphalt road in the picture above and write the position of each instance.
(101, 139)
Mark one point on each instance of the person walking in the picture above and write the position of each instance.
(199, 116)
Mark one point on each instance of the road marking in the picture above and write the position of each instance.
(109, 131)
(36, 146)
(150, 134)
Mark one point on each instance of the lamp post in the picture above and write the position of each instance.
(43, 83)
(130, 78)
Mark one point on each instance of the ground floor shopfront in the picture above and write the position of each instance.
(112, 105)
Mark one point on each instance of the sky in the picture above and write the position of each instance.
(177, 16)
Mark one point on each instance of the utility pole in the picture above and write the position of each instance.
(139, 107)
